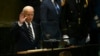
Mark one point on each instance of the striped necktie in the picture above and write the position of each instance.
(30, 32)
(57, 7)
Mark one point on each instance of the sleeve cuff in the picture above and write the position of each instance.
(19, 24)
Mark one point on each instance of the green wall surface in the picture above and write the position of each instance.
(9, 12)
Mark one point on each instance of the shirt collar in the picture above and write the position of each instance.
(27, 23)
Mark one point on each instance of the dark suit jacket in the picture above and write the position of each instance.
(70, 19)
(97, 7)
(21, 37)
(94, 10)
(49, 20)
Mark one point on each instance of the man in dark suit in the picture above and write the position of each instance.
(95, 22)
(94, 15)
(49, 15)
(25, 32)
(75, 21)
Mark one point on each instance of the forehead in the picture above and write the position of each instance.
(29, 12)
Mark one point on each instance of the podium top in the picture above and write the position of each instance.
(43, 50)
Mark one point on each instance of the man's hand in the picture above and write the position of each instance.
(22, 18)
(66, 38)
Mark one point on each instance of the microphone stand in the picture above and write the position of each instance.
(51, 41)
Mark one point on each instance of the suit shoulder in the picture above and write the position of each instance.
(34, 23)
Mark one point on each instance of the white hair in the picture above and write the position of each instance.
(28, 8)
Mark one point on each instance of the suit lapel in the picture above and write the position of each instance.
(24, 27)
(52, 6)
(25, 31)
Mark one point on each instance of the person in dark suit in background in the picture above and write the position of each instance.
(25, 32)
(94, 15)
(74, 22)
(49, 19)
(95, 22)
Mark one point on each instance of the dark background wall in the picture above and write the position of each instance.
(9, 11)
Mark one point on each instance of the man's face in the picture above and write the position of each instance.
(29, 14)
